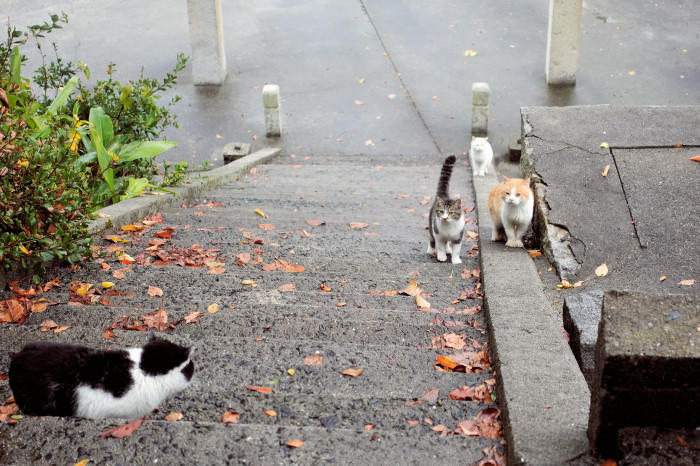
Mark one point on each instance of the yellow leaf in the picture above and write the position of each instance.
(82, 291)
(259, 212)
(687, 282)
(291, 371)
(82, 462)
(213, 307)
(601, 270)
(362, 81)
(604, 145)
(470, 53)
(662, 278)
(107, 285)
(23, 249)
(248, 283)
(23, 163)
(605, 170)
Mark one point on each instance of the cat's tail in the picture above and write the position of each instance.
(445, 175)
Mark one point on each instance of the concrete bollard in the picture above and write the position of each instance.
(480, 109)
(207, 42)
(271, 107)
(563, 40)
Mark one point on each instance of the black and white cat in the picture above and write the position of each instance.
(54, 379)
(446, 220)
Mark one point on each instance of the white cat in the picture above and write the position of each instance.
(481, 155)
(53, 379)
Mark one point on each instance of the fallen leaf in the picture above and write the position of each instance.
(192, 317)
(154, 291)
(391, 96)
(472, 234)
(306, 234)
(662, 278)
(82, 291)
(341, 304)
(242, 259)
(604, 145)
(323, 288)
(213, 308)
(470, 53)
(285, 266)
(51, 284)
(216, 270)
(358, 225)
(270, 412)
(695, 159)
(123, 430)
(61, 328)
(259, 212)
(446, 362)
(352, 372)
(254, 388)
(107, 285)
(132, 227)
(295, 443)
(287, 287)
(601, 270)
(266, 226)
(534, 253)
(230, 417)
(13, 311)
(48, 324)
(249, 283)
(118, 274)
(412, 289)
(174, 416)
(432, 395)
(291, 371)
(421, 302)
(609, 463)
(606, 170)
(413, 422)
(369, 427)
(687, 282)
(315, 223)
(82, 462)
(157, 320)
(313, 360)
(167, 234)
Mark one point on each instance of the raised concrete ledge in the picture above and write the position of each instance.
(134, 209)
(541, 391)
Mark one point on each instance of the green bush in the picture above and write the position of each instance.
(70, 149)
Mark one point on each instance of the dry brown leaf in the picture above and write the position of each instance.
(230, 417)
(605, 170)
(154, 291)
(118, 274)
(258, 389)
(123, 430)
(432, 395)
(421, 302)
(323, 288)
(266, 226)
(174, 416)
(352, 372)
(61, 328)
(192, 317)
(313, 360)
(412, 289)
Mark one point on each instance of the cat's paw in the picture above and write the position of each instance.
(456, 260)
(495, 236)
(431, 250)
(448, 248)
(514, 243)
(442, 257)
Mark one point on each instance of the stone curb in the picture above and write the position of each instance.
(542, 393)
(134, 209)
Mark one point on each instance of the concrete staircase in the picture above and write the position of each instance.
(259, 333)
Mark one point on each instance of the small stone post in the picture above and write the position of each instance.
(271, 107)
(480, 109)
(207, 42)
(563, 39)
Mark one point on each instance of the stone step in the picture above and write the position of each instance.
(61, 441)
(229, 364)
(340, 325)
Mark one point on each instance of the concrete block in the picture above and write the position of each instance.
(271, 107)
(581, 318)
(647, 366)
(480, 109)
(563, 39)
(207, 42)
(235, 150)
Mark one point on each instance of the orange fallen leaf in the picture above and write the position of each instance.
(154, 291)
(352, 372)
(216, 270)
(132, 227)
(358, 225)
(413, 422)
(174, 416)
(167, 234)
(605, 171)
(687, 282)
(323, 288)
(192, 317)
(432, 395)
(61, 328)
(258, 389)
(412, 289)
(287, 287)
(534, 253)
(342, 304)
(695, 159)
(230, 417)
(123, 430)
(369, 426)
(446, 362)
(118, 274)
(315, 223)
(266, 226)
(295, 443)
(313, 360)
(270, 412)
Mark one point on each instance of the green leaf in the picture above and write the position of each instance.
(135, 187)
(87, 158)
(144, 149)
(15, 66)
(103, 157)
(108, 175)
(103, 124)
(62, 96)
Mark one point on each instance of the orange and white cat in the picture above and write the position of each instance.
(511, 203)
